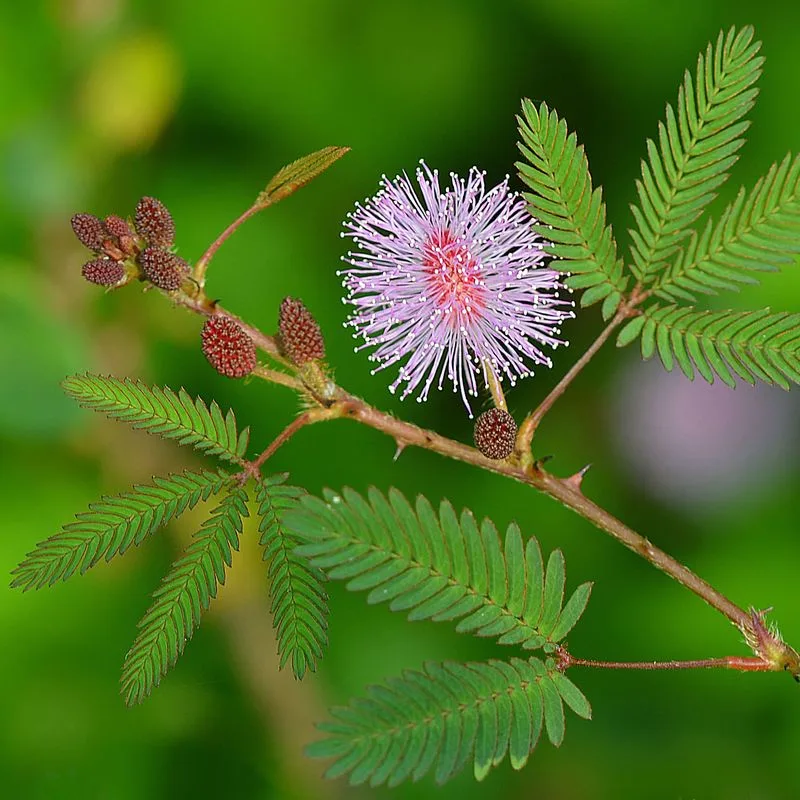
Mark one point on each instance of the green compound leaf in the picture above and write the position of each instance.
(299, 601)
(441, 567)
(571, 214)
(112, 525)
(759, 231)
(184, 594)
(697, 144)
(446, 716)
(162, 412)
(755, 345)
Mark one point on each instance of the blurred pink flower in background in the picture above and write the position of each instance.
(697, 445)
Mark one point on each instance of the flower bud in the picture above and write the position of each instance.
(300, 336)
(495, 434)
(162, 268)
(227, 347)
(89, 230)
(154, 223)
(103, 272)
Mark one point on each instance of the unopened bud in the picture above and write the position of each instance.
(227, 347)
(162, 268)
(154, 223)
(495, 434)
(300, 336)
(89, 230)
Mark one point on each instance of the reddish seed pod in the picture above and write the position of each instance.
(228, 348)
(495, 434)
(154, 223)
(89, 231)
(300, 336)
(162, 268)
(103, 272)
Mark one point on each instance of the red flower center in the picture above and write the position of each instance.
(453, 276)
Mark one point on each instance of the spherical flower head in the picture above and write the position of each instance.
(449, 284)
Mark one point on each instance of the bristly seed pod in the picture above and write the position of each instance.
(103, 272)
(228, 348)
(495, 434)
(162, 268)
(300, 336)
(154, 223)
(89, 230)
(120, 229)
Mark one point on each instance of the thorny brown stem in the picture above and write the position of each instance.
(766, 644)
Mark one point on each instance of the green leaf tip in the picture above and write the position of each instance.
(113, 525)
(753, 345)
(300, 172)
(446, 716)
(185, 593)
(568, 211)
(697, 144)
(758, 231)
(441, 567)
(162, 412)
(299, 602)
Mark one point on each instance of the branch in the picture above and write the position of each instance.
(199, 272)
(740, 663)
(766, 644)
(253, 468)
(532, 421)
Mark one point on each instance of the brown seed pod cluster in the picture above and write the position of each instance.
(142, 249)
(227, 347)
(495, 434)
(300, 336)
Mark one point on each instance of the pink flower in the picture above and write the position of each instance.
(450, 281)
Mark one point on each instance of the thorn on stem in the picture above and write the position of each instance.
(576, 480)
(398, 450)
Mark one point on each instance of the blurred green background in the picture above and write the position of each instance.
(102, 101)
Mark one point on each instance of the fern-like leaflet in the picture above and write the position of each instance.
(448, 715)
(162, 412)
(755, 345)
(299, 600)
(184, 594)
(759, 231)
(441, 568)
(570, 213)
(112, 525)
(698, 143)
